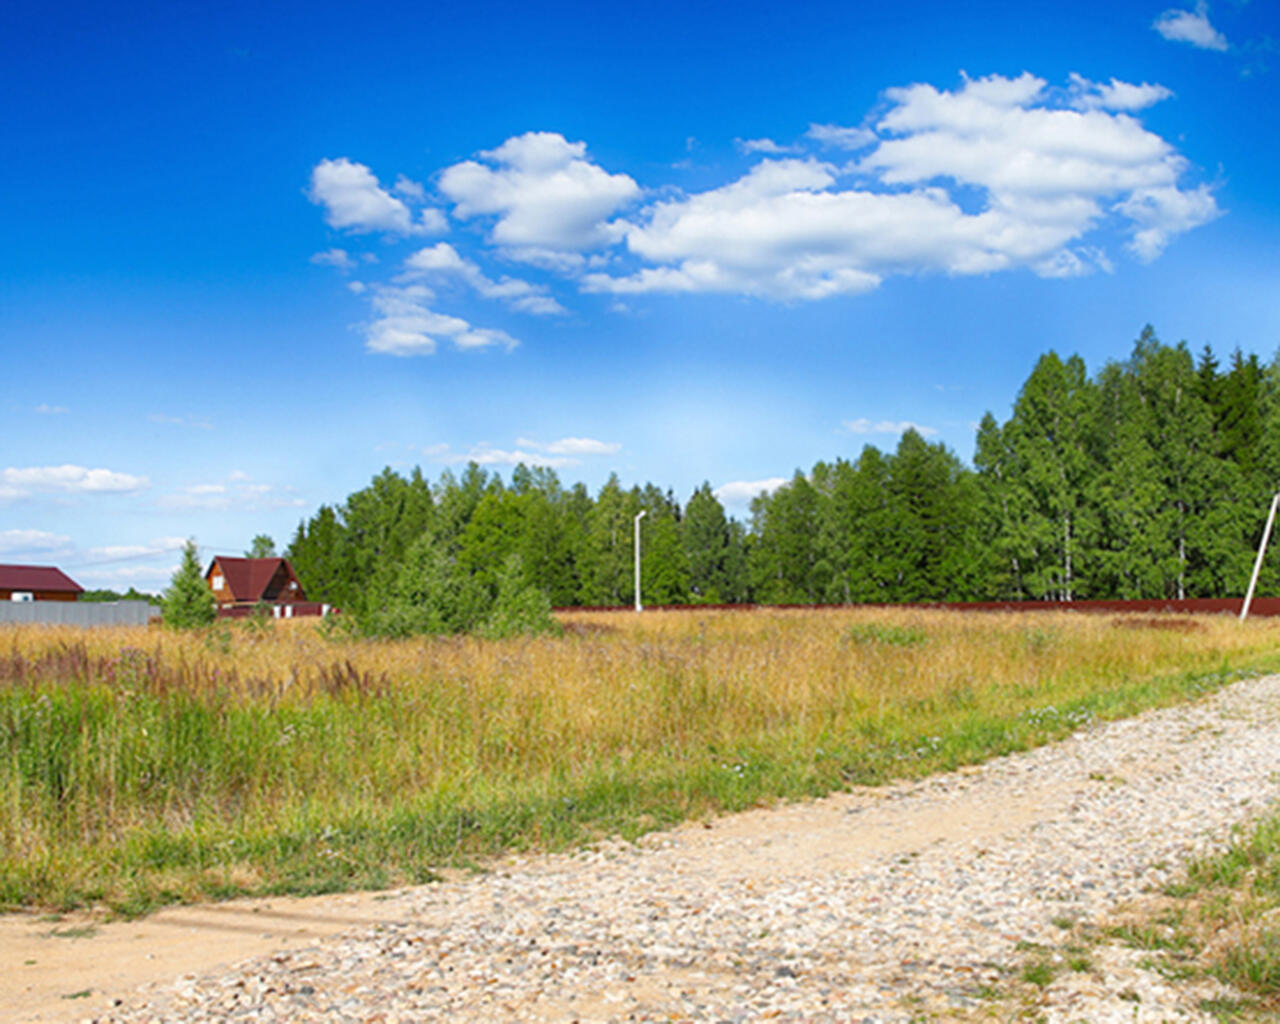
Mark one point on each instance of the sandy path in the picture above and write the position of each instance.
(872, 903)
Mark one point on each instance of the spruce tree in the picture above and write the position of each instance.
(188, 603)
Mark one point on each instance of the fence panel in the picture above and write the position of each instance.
(78, 613)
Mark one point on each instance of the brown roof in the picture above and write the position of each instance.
(37, 577)
(248, 578)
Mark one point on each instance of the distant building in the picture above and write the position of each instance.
(246, 582)
(37, 583)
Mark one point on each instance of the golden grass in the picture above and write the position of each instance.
(300, 759)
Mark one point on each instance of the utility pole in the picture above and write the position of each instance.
(639, 607)
(1257, 565)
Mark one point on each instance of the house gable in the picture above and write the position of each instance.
(246, 581)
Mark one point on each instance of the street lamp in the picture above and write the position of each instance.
(639, 607)
(1257, 566)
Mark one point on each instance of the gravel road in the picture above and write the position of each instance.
(877, 905)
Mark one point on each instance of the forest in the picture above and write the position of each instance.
(1149, 479)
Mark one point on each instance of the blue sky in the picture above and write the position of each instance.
(255, 252)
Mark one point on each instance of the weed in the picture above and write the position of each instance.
(1039, 973)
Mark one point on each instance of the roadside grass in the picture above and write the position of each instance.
(1220, 921)
(140, 767)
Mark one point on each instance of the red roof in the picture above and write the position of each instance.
(37, 577)
(248, 578)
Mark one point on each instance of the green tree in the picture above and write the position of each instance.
(664, 565)
(428, 594)
(262, 546)
(707, 540)
(188, 603)
(319, 555)
(1050, 441)
(608, 576)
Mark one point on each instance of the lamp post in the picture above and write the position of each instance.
(639, 607)
(1257, 565)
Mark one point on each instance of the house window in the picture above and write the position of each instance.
(22, 595)
(218, 581)
(293, 584)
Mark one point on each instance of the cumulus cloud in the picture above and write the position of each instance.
(25, 482)
(866, 426)
(740, 492)
(1179, 26)
(443, 260)
(354, 201)
(1163, 212)
(837, 136)
(1048, 168)
(44, 409)
(546, 196)
(404, 325)
(1087, 95)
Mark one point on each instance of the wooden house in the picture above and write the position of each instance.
(246, 582)
(37, 583)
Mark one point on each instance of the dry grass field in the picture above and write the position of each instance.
(142, 766)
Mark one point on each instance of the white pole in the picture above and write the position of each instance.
(1257, 565)
(639, 607)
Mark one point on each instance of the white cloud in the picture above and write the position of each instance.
(45, 409)
(544, 192)
(1180, 26)
(403, 325)
(32, 540)
(1087, 95)
(839, 137)
(1161, 213)
(129, 552)
(443, 260)
(761, 146)
(32, 480)
(866, 426)
(237, 491)
(740, 492)
(355, 201)
(1045, 175)
(338, 258)
(410, 189)
(486, 455)
(572, 446)
(357, 287)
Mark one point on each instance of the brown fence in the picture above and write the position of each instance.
(1265, 606)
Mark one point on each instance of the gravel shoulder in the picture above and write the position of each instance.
(880, 905)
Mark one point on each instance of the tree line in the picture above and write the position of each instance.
(1150, 478)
